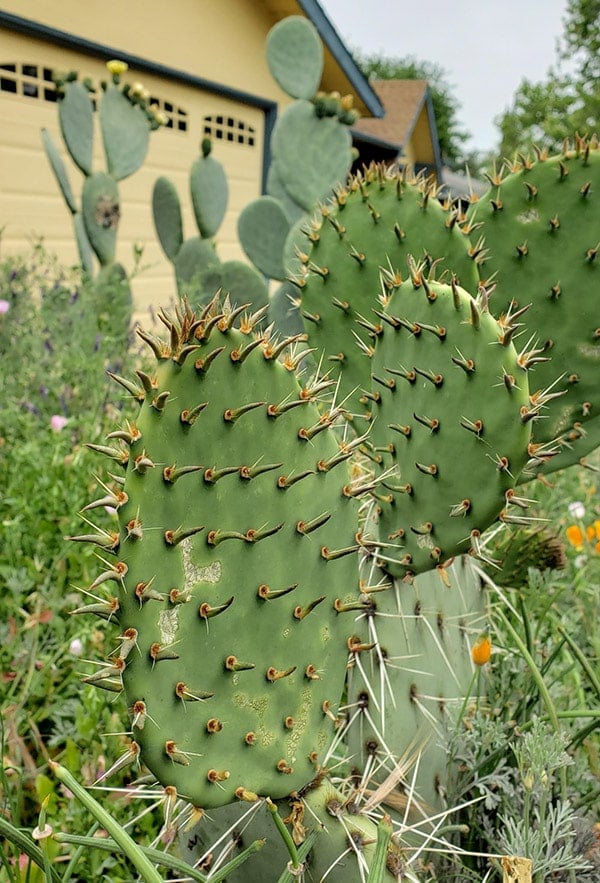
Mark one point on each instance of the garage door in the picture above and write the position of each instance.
(30, 205)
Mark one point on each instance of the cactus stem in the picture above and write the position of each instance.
(306, 527)
(189, 417)
(174, 537)
(202, 365)
(301, 612)
(230, 415)
(174, 472)
(206, 611)
(273, 674)
(239, 355)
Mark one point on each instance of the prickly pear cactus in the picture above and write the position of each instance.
(353, 252)
(199, 272)
(411, 677)
(452, 425)
(233, 564)
(541, 224)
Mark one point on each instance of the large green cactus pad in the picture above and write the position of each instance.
(263, 228)
(452, 425)
(209, 191)
(235, 541)
(375, 224)
(542, 230)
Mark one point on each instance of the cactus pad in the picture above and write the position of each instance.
(76, 117)
(101, 214)
(295, 56)
(235, 540)
(125, 133)
(209, 191)
(541, 225)
(375, 223)
(452, 424)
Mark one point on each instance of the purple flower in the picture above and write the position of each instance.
(57, 422)
(4, 306)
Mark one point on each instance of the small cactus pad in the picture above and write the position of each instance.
(168, 221)
(209, 191)
(411, 676)
(374, 224)
(236, 543)
(76, 117)
(295, 56)
(452, 424)
(101, 214)
(541, 224)
(125, 133)
(263, 228)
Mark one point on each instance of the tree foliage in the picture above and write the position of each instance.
(445, 106)
(568, 99)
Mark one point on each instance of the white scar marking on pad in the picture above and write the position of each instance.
(168, 623)
(193, 573)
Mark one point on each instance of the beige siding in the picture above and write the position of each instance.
(30, 205)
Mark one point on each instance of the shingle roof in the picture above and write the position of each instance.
(403, 101)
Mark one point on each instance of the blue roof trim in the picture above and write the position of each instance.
(344, 58)
(437, 154)
(30, 28)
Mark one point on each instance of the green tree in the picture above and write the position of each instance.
(568, 99)
(450, 135)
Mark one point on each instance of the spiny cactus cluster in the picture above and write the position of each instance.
(293, 574)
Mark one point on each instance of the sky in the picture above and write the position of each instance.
(486, 47)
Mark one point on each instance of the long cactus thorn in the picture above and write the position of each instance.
(202, 365)
(207, 611)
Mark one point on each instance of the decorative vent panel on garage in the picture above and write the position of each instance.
(225, 128)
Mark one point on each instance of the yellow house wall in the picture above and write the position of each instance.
(181, 35)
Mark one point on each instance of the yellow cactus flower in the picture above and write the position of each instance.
(116, 67)
(481, 650)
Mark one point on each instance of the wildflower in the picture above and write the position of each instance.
(481, 650)
(575, 536)
(592, 531)
(4, 306)
(75, 647)
(577, 510)
(580, 561)
(57, 422)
